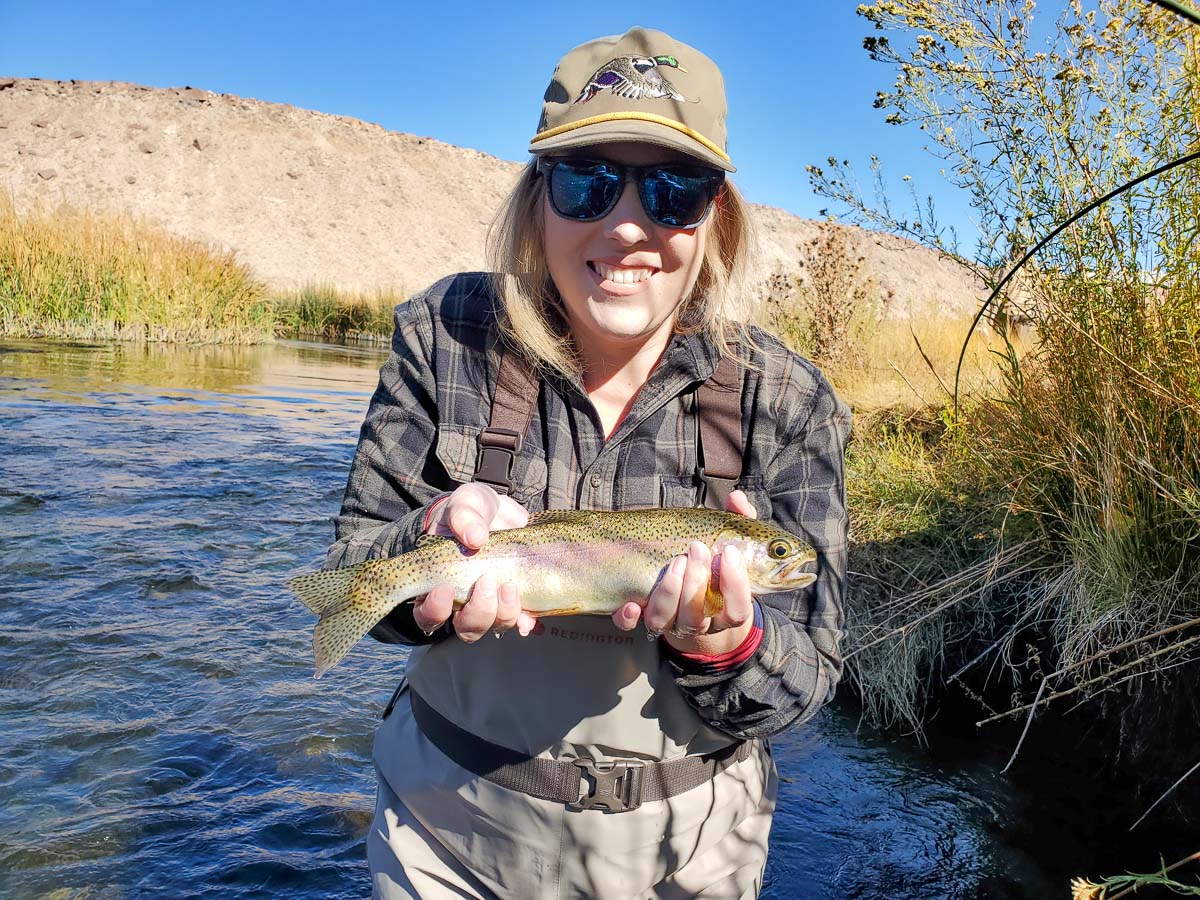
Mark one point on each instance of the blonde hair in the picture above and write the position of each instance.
(531, 313)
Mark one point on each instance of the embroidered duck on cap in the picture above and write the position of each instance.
(634, 78)
(615, 89)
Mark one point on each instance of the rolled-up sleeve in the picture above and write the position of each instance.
(389, 490)
(798, 663)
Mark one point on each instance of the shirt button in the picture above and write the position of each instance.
(595, 481)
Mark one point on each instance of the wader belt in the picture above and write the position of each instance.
(612, 786)
(718, 429)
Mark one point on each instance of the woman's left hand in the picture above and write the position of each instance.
(676, 605)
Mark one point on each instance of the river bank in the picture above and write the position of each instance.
(155, 680)
(1032, 545)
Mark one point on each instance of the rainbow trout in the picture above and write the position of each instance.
(565, 562)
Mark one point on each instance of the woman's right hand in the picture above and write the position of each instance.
(468, 515)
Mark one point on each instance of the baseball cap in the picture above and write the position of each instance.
(642, 86)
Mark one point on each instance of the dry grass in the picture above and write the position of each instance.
(75, 274)
(1049, 532)
(323, 311)
(833, 313)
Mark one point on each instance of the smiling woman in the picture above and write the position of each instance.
(604, 365)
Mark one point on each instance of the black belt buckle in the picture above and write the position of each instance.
(612, 786)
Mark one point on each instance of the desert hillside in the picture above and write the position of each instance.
(308, 197)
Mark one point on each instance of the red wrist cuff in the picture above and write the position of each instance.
(429, 513)
(712, 663)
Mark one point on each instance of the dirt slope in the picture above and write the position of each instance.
(307, 197)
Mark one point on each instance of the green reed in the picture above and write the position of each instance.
(86, 275)
(325, 311)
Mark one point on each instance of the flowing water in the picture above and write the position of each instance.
(163, 735)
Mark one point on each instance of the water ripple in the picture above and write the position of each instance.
(163, 732)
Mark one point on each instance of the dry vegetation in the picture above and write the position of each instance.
(72, 274)
(323, 312)
(77, 275)
(1043, 539)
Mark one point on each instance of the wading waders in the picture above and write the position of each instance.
(613, 787)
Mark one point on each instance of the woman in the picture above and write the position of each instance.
(574, 757)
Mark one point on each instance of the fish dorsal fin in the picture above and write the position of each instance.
(424, 539)
(559, 516)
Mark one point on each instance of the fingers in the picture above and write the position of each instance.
(738, 502)
(478, 615)
(525, 624)
(690, 618)
(627, 617)
(474, 510)
(677, 601)
(431, 611)
(508, 607)
(491, 608)
(509, 514)
(735, 591)
(469, 516)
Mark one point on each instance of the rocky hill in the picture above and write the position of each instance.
(307, 197)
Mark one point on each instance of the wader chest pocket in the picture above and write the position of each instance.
(680, 491)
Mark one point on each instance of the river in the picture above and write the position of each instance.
(163, 735)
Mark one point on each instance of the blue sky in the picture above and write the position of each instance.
(800, 86)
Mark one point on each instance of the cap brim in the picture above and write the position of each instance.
(633, 131)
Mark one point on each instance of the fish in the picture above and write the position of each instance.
(565, 562)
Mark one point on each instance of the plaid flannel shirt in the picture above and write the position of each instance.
(418, 443)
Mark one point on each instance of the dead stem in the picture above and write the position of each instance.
(1107, 675)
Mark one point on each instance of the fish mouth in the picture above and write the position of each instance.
(789, 575)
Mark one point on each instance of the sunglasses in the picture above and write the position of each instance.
(673, 195)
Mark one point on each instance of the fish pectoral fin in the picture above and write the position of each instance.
(713, 602)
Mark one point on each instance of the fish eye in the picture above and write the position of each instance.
(778, 548)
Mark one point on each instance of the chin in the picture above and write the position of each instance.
(622, 328)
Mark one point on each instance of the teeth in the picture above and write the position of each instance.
(622, 276)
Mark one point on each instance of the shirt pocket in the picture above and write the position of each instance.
(676, 491)
(457, 449)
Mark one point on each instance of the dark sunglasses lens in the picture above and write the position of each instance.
(584, 190)
(678, 197)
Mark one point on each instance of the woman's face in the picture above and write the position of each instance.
(621, 278)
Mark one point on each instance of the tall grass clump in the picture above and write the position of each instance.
(78, 274)
(1089, 447)
(327, 312)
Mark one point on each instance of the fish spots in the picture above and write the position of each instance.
(585, 558)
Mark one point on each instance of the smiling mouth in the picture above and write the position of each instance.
(621, 274)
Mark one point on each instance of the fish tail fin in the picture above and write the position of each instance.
(327, 591)
(344, 619)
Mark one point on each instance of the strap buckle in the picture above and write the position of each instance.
(613, 785)
(498, 448)
(713, 489)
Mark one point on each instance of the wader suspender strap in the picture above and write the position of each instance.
(718, 429)
(719, 434)
(512, 411)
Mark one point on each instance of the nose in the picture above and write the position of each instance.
(627, 222)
